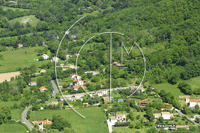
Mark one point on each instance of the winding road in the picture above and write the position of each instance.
(55, 88)
(24, 118)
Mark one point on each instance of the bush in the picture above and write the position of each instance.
(131, 126)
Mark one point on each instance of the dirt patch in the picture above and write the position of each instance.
(7, 76)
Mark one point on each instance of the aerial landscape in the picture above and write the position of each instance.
(100, 66)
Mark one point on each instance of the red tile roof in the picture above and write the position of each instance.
(45, 122)
(43, 88)
(79, 86)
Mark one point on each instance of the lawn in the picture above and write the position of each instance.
(193, 82)
(20, 59)
(16, 113)
(93, 123)
(11, 8)
(169, 88)
(12, 128)
(23, 20)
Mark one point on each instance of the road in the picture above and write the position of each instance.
(55, 88)
(181, 114)
(24, 118)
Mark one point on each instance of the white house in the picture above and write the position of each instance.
(93, 72)
(72, 67)
(78, 82)
(192, 102)
(45, 56)
(117, 118)
(102, 92)
(76, 87)
(165, 115)
(55, 59)
(41, 123)
(32, 83)
(20, 45)
(74, 76)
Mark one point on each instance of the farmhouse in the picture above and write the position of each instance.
(120, 66)
(77, 82)
(192, 102)
(41, 123)
(20, 45)
(76, 87)
(76, 54)
(42, 89)
(102, 92)
(32, 83)
(74, 76)
(117, 118)
(70, 99)
(85, 104)
(144, 102)
(141, 89)
(54, 59)
(108, 99)
(45, 56)
(43, 71)
(72, 67)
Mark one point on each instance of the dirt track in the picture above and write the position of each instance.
(7, 76)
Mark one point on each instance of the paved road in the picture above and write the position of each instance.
(24, 118)
(181, 114)
(55, 88)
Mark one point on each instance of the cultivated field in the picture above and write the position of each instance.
(12, 128)
(7, 76)
(94, 122)
(23, 20)
(24, 57)
(16, 113)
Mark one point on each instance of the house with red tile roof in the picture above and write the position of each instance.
(120, 66)
(41, 123)
(42, 89)
(144, 102)
(78, 86)
(20, 45)
(192, 102)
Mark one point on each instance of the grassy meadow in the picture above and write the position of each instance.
(23, 20)
(12, 128)
(95, 121)
(16, 113)
(22, 57)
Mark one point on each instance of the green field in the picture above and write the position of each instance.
(23, 20)
(193, 82)
(11, 8)
(20, 59)
(10, 103)
(93, 123)
(16, 113)
(12, 128)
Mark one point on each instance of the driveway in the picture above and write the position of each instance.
(24, 118)
(55, 88)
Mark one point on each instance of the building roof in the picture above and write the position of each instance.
(19, 44)
(76, 80)
(165, 113)
(43, 88)
(187, 98)
(166, 104)
(194, 100)
(107, 98)
(144, 101)
(45, 122)
(33, 82)
(79, 86)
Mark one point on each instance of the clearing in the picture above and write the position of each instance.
(7, 76)
(12, 128)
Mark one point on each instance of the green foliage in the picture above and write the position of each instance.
(185, 88)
